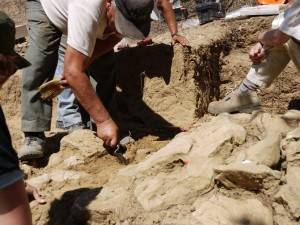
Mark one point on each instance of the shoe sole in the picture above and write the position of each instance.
(28, 157)
(249, 109)
(244, 109)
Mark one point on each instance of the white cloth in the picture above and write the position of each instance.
(291, 22)
(83, 21)
(156, 14)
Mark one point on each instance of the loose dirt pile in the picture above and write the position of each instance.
(226, 171)
(231, 169)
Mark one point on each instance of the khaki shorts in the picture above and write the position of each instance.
(264, 73)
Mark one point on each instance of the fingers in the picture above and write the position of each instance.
(114, 142)
(180, 39)
(33, 191)
(38, 197)
(111, 141)
(257, 53)
(64, 83)
(108, 131)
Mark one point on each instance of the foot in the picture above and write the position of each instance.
(235, 102)
(33, 148)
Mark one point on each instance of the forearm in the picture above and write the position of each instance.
(169, 15)
(85, 94)
(273, 38)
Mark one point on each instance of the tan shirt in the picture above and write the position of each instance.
(83, 21)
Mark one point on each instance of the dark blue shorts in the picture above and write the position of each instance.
(9, 164)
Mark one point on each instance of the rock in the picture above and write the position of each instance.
(27, 170)
(248, 176)
(83, 142)
(55, 159)
(56, 176)
(227, 211)
(292, 115)
(289, 194)
(265, 152)
(175, 175)
(294, 134)
(65, 175)
(290, 147)
(272, 124)
(39, 180)
(76, 148)
(73, 161)
(281, 216)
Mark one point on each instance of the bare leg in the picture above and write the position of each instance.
(14, 207)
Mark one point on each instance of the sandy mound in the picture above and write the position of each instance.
(205, 176)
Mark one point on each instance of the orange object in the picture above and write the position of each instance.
(271, 2)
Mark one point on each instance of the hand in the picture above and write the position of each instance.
(64, 82)
(179, 39)
(258, 53)
(34, 192)
(146, 41)
(108, 132)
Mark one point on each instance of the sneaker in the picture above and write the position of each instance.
(60, 124)
(234, 102)
(71, 128)
(33, 148)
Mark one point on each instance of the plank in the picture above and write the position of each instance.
(21, 31)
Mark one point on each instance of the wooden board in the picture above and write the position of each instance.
(21, 31)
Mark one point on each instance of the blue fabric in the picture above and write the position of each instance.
(68, 111)
(9, 165)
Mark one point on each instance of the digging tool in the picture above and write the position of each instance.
(118, 152)
(51, 89)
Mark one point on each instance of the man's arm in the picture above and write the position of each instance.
(74, 72)
(169, 15)
(267, 40)
(273, 38)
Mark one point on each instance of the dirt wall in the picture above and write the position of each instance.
(161, 86)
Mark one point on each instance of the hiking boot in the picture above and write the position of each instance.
(234, 102)
(33, 148)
